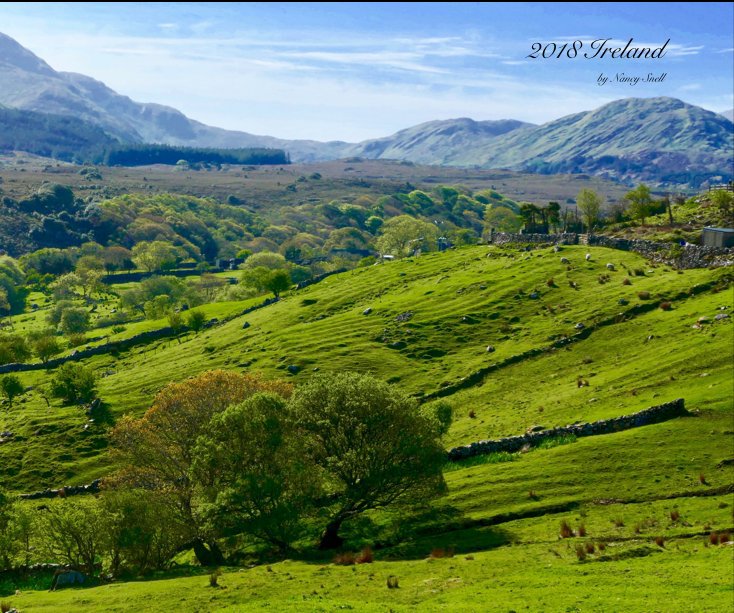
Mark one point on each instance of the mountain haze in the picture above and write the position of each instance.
(657, 140)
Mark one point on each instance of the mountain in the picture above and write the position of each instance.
(29, 83)
(657, 140)
(660, 140)
(432, 142)
(728, 114)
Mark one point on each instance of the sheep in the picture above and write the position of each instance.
(588, 257)
(564, 261)
(610, 266)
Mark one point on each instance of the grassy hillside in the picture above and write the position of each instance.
(501, 516)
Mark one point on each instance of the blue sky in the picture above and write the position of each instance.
(361, 70)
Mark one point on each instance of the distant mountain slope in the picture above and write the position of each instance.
(728, 114)
(434, 141)
(660, 140)
(60, 137)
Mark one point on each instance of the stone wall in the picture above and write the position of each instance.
(502, 238)
(690, 256)
(513, 444)
(67, 490)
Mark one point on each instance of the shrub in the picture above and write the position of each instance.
(75, 340)
(582, 530)
(590, 547)
(626, 281)
(566, 531)
(702, 479)
(365, 556)
(618, 522)
(118, 329)
(674, 516)
(440, 552)
(195, 320)
(74, 383)
(666, 306)
(714, 538)
(643, 295)
(392, 582)
(472, 414)
(660, 541)
(601, 546)
(580, 552)
(724, 537)
(4, 607)
(214, 578)
(346, 558)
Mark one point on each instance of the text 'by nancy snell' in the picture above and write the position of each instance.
(598, 49)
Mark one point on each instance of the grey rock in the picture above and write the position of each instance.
(367, 311)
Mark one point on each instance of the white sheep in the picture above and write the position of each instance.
(588, 257)
(610, 266)
(564, 261)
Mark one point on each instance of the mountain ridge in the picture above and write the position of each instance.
(658, 140)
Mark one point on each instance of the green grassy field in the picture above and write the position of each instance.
(502, 520)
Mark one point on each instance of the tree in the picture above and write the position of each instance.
(373, 445)
(175, 320)
(403, 234)
(529, 213)
(116, 257)
(278, 281)
(253, 469)
(209, 285)
(74, 320)
(265, 259)
(264, 279)
(195, 321)
(589, 204)
(11, 387)
(723, 201)
(640, 202)
(74, 383)
(158, 449)
(45, 345)
(501, 218)
(155, 255)
(89, 271)
(65, 286)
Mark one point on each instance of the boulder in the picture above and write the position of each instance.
(367, 311)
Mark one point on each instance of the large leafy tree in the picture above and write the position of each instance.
(253, 470)
(403, 234)
(157, 450)
(372, 445)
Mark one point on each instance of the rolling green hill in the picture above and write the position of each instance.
(431, 321)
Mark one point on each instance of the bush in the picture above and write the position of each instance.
(346, 558)
(74, 383)
(365, 556)
(643, 295)
(13, 349)
(566, 531)
(74, 321)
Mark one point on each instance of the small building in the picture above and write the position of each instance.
(718, 237)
